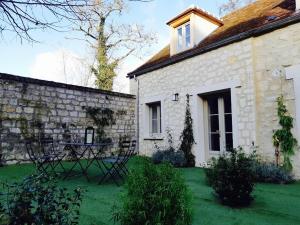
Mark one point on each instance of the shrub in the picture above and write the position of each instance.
(187, 136)
(176, 158)
(270, 173)
(156, 195)
(231, 176)
(38, 200)
(169, 153)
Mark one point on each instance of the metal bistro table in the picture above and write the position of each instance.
(93, 153)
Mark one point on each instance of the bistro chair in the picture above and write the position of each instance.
(115, 166)
(52, 151)
(42, 153)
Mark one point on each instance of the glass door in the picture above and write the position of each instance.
(220, 122)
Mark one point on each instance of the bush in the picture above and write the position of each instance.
(169, 154)
(156, 195)
(231, 176)
(270, 173)
(176, 158)
(38, 200)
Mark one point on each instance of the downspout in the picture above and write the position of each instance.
(137, 114)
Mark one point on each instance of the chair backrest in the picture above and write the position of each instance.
(33, 149)
(47, 145)
(129, 150)
(133, 146)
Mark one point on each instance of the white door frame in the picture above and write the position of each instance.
(198, 117)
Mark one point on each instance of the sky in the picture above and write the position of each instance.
(59, 57)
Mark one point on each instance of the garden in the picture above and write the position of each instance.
(165, 189)
(273, 204)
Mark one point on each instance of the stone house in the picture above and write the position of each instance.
(234, 68)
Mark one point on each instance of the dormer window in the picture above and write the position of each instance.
(184, 37)
(189, 28)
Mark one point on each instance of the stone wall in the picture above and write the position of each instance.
(31, 108)
(274, 52)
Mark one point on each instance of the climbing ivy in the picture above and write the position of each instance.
(102, 118)
(187, 136)
(283, 138)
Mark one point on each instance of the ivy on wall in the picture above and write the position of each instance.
(283, 138)
(102, 118)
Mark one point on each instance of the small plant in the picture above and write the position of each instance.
(169, 153)
(38, 200)
(156, 195)
(283, 138)
(187, 136)
(270, 173)
(231, 176)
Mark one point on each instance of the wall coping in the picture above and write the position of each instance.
(10, 77)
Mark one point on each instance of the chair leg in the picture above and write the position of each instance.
(109, 172)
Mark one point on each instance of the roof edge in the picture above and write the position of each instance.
(199, 11)
(10, 77)
(239, 37)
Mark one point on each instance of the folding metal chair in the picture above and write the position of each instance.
(53, 153)
(116, 166)
(42, 153)
(37, 157)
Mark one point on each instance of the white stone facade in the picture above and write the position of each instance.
(254, 71)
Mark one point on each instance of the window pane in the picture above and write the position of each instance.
(154, 112)
(227, 103)
(229, 142)
(180, 37)
(154, 126)
(228, 123)
(214, 142)
(213, 105)
(187, 35)
(214, 123)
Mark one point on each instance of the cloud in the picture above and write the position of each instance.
(61, 66)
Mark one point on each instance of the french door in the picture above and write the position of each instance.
(219, 122)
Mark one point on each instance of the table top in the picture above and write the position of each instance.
(84, 144)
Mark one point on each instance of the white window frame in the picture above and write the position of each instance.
(145, 117)
(198, 114)
(184, 45)
(158, 119)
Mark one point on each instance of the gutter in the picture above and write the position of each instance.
(236, 38)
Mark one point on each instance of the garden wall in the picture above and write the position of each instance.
(30, 108)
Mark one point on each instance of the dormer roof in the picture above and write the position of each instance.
(182, 17)
(256, 19)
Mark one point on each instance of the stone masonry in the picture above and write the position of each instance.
(30, 107)
(257, 67)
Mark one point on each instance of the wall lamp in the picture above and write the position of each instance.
(175, 97)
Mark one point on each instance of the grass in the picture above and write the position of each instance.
(273, 205)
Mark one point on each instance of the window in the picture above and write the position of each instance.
(184, 36)
(155, 118)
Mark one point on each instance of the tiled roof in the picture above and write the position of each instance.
(257, 15)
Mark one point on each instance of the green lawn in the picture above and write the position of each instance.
(274, 204)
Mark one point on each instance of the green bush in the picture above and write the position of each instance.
(38, 200)
(155, 195)
(176, 158)
(232, 178)
(270, 173)
(169, 154)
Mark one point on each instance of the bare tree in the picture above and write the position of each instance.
(232, 5)
(24, 16)
(112, 41)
